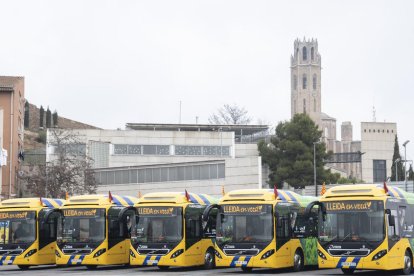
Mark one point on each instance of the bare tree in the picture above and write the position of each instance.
(70, 169)
(230, 115)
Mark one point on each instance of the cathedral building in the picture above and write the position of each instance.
(306, 98)
(369, 159)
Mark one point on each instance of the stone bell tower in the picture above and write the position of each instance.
(305, 72)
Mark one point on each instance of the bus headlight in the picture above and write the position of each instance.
(268, 254)
(177, 253)
(217, 254)
(379, 255)
(30, 253)
(320, 254)
(100, 252)
(57, 253)
(132, 253)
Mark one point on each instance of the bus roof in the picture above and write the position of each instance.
(267, 195)
(34, 202)
(178, 198)
(367, 190)
(102, 200)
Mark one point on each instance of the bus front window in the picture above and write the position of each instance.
(158, 225)
(361, 221)
(82, 226)
(244, 224)
(17, 227)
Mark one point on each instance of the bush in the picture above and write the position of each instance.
(41, 138)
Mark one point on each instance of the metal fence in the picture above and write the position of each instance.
(310, 190)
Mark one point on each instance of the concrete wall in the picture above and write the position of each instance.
(243, 167)
(377, 143)
(241, 173)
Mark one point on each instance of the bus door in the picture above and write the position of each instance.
(48, 220)
(283, 229)
(194, 233)
(395, 214)
(209, 220)
(120, 221)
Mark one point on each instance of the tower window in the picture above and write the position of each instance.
(312, 53)
(304, 106)
(295, 82)
(304, 53)
(304, 81)
(314, 105)
(314, 81)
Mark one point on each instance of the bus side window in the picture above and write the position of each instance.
(193, 227)
(47, 227)
(283, 226)
(393, 231)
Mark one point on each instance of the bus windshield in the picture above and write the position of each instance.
(244, 223)
(17, 227)
(352, 220)
(159, 224)
(86, 225)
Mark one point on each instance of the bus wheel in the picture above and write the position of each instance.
(247, 269)
(209, 261)
(298, 262)
(91, 267)
(348, 271)
(408, 264)
(163, 267)
(23, 267)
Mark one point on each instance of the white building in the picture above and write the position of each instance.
(377, 146)
(167, 157)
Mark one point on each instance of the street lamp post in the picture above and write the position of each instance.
(405, 162)
(396, 167)
(314, 168)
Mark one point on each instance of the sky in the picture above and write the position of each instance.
(107, 63)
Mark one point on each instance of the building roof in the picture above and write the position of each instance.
(325, 116)
(244, 129)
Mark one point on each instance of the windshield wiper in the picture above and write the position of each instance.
(346, 237)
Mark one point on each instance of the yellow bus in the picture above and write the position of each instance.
(260, 228)
(95, 230)
(28, 231)
(366, 226)
(169, 231)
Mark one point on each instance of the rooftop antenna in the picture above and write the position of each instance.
(196, 120)
(374, 118)
(179, 120)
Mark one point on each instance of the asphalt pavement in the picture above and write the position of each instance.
(121, 270)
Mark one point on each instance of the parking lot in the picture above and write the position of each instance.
(120, 270)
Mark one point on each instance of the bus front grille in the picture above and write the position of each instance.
(248, 252)
(153, 251)
(77, 251)
(11, 252)
(349, 252)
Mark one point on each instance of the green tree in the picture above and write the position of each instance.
(55, 118)
(400, 168)
(41, 116)
(289, 154)
(26, 114)
(48, 118)
(410, 173)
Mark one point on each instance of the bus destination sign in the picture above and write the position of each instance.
(156, 211)
(80, 212)
(350, 206)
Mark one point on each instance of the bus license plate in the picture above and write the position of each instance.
(348, 264)
(240, 263)
(153, 262)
